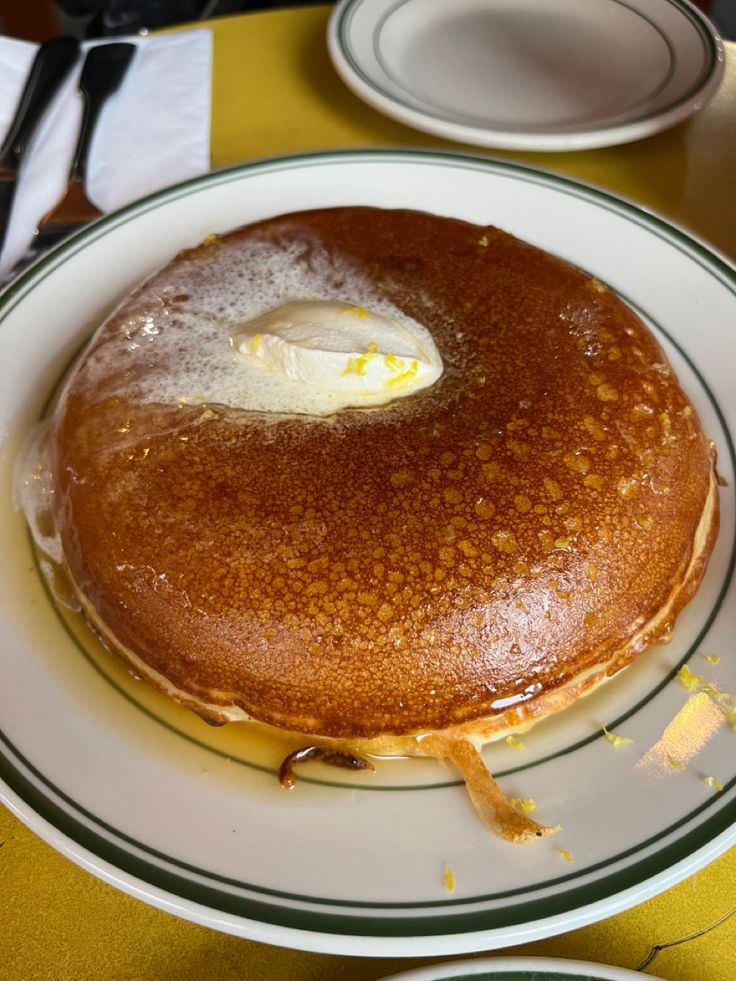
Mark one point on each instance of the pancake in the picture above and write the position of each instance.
(418, 576)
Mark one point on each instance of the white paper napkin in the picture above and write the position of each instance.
(153, 132)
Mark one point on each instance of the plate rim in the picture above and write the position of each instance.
(473, 939)
(372, 92)
(555, 968)
(395, 943)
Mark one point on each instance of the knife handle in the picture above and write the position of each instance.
(53, 62)
(102, 73)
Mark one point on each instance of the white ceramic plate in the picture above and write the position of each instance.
(518, 969)
(528, 74)
(191, 818)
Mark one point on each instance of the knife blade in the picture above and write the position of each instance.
(51, 65)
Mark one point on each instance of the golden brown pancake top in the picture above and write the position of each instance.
(405, 568)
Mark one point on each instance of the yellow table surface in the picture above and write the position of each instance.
(275, 92)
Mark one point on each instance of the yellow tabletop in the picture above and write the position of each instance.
(275, 92)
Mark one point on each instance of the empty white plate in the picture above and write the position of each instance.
(529, 74)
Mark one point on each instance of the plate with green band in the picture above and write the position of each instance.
(518, 969)
(528, 74)
(192, 819)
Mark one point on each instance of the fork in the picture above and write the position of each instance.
(102, 73)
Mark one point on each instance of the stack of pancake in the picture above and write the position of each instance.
(415, 577)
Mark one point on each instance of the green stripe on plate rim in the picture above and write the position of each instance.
(709, 48)
(519, 975)
(364, 918)
(685, 242)
(460, 921)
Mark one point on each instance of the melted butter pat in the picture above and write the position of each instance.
(354, 356)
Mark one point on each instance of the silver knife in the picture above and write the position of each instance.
(53, 62)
